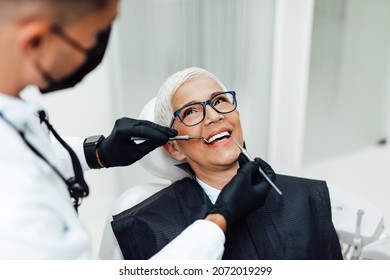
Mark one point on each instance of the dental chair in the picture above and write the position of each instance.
(359, 224)
(377, 250)
(159, 164)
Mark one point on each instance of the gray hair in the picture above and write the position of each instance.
(163, 110)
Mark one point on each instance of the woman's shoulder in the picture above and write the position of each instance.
(293, 186)
(299, 182)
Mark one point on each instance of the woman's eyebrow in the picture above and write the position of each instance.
(189, 103)
(215, 93)
(211, 96)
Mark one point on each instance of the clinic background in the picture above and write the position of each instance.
(312, 78)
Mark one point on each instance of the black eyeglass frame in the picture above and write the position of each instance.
(204, 103)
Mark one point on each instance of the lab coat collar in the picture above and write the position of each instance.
(24, 117)
(17, 111)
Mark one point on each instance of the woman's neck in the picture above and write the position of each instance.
(217, 178)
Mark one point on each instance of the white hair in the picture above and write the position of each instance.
(163, 111)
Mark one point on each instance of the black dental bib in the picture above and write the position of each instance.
(295, 226)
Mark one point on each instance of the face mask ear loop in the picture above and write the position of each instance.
(61, 33)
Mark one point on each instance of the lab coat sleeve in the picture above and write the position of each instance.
(202, 240)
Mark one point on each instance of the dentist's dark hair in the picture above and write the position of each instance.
(60, 11)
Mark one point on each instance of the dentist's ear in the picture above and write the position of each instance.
(173, 150)
(32, 35)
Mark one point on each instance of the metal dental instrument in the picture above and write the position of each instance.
(245, 153)
(179, 137)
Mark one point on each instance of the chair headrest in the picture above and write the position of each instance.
(158, 162)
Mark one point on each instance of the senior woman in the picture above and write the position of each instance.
(296, 225)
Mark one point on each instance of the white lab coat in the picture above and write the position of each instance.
(37, 219)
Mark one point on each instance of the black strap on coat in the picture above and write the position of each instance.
(77, 186)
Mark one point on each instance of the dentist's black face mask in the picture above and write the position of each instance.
(94, 57)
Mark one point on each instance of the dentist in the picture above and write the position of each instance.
(53, 44)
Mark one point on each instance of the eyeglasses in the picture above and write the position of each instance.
(194, 113)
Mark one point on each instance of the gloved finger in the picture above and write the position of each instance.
(144, 149)
(268, 172)
(264, 166)
(156, 127)
(255, 174)
(242, 159)
(247, 169)
(144, 129)
(260, 185)
(149, 145)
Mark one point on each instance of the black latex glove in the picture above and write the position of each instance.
(118, 150)
(246, 191)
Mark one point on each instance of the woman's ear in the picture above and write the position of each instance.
(173, 150)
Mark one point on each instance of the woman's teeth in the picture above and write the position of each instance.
(218, 136)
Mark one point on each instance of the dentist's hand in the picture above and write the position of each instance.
(246, 191)
(118, 150)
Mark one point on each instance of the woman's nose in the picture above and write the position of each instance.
(211, 115)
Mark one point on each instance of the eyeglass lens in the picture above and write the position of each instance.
(194, 113)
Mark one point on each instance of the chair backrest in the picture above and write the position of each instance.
(109, 248)
(159, 164)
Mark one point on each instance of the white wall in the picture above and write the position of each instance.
(330, 95)
(348, 77)
(291, 59)
(348, 99)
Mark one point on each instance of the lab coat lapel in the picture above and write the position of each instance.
(24, 117)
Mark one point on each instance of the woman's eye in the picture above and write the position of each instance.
(219, 100)
(188, 111)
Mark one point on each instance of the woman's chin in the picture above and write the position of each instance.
(227, 160)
